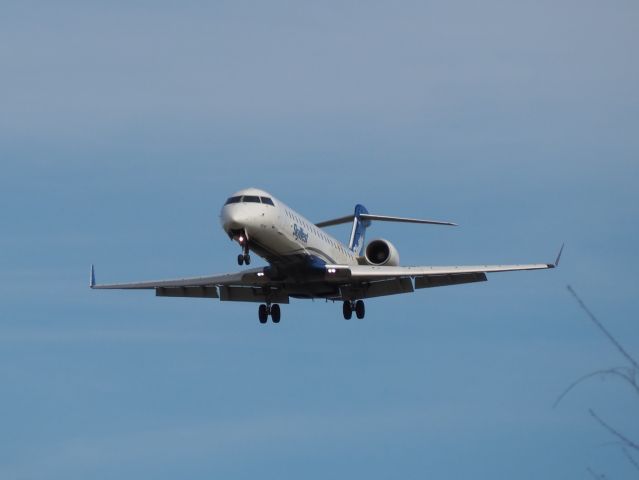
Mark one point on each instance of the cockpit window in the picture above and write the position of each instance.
(249, 199)
(233, 200)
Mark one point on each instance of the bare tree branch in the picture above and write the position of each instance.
(615, 432)
(603, 329)
(628, 374)
(630, 458)
(597, 476)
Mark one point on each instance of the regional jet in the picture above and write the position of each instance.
(306, 262)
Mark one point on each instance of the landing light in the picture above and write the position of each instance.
(260, 274)
(241, 239)
(332, 270)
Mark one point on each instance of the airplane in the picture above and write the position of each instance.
(306, 262)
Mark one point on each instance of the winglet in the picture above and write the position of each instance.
(556, 264)
(92, 278)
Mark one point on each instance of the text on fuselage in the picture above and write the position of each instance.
(300, 234)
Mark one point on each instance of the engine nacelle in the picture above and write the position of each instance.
(381, 252)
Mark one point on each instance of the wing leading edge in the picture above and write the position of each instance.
(372, 272)
(245, 286)
(351, 281)
(247, 277)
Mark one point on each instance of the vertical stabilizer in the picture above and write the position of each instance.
(358, 233)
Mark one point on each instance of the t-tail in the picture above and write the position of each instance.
(362, 220)
(358, 233)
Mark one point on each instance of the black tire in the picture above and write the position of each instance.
(275, 313)
(247, 259)
(262, 313)
(347, 310)
(240, 259)
(360, 310)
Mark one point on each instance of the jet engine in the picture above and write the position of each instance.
(381, 252)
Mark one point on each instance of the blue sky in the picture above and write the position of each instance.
(125, 125)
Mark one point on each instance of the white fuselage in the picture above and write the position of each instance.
(278, 233)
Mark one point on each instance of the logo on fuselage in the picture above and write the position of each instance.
(300, 234)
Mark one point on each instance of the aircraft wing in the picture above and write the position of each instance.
(338, 282)
(236, 278)
(371, 272)
(245, 286)
(365, 281)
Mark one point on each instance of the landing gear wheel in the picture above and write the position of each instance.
(247, 259)
(262, 313)
(347, 310)
(360, 311)
(275, 313)
(240, 259)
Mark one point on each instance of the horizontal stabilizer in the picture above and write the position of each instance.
(381, 218)
(386, 218)
(335, 221)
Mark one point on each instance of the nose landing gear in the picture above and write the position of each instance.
(244, 257)
(350, 306)
(264, 311)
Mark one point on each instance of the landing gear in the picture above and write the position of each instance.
(244, 257)
(275, 313)
(262, 313)
(273, 310)
(347, 310)
(358, 307)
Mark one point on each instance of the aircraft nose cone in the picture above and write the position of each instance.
(232, 218)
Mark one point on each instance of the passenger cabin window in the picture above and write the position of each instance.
(267, 201)
(251, 199)
(233, 200)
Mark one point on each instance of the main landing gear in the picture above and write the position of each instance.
(265, 310)
(350, 306)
